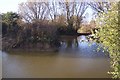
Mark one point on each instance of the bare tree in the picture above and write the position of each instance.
(52, 9)
(33, 11)
(80, 9)
(67, 11)
(40, 10)
(74, 11)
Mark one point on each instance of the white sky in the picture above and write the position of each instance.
(9, 5)
(88, 14)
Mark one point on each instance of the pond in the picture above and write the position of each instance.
(74, 59)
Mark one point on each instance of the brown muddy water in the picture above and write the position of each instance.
(74, 59)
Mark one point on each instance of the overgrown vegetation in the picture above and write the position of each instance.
(109, 36)
(28, 35)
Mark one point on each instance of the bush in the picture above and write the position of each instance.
(109, 36)
(39, 32)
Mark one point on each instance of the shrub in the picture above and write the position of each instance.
(109, 36)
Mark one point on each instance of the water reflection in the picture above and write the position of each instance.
(72, 42)
(80, 47)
